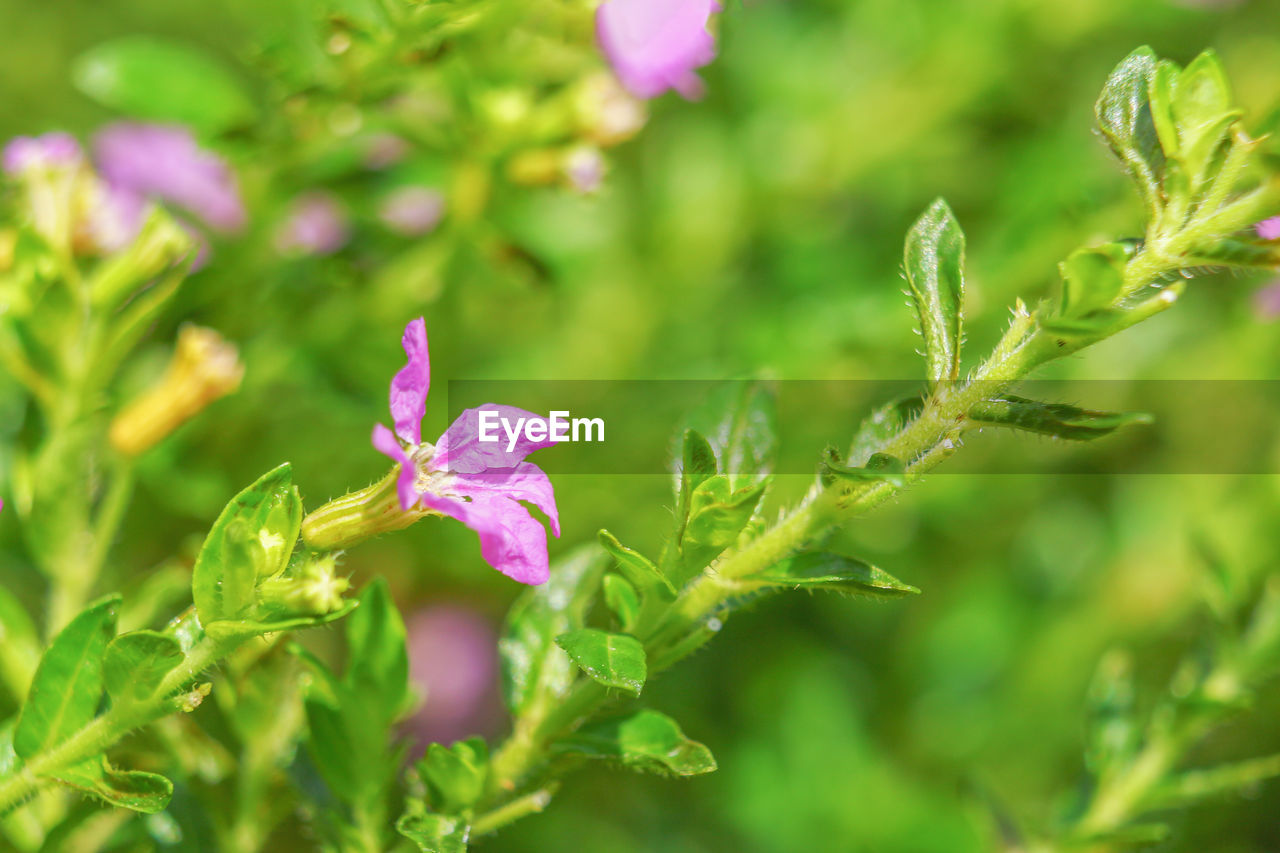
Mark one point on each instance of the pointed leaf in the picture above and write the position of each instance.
(935, 276)
(638, 568)
(834, 572)
(435, 833)
(697, 463)
(131, 789)
(739, 422)
(1124, 117)
(68, 682)
(1093, 278)
(646, 741)
(1056, 419)
(378, 661)
(620, 596)
(717, 516)
(614, 660)
(881, 466)
(455, 775)
(137, 662)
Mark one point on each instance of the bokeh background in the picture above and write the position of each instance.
(755, 232)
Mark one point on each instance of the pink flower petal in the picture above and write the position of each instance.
(409, 387)
(460, 450)
(511, 540)
(406, 484)
(654, 45)
(525, 482)
(1269, 229)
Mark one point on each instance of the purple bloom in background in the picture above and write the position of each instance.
(1266, 301)
(453, 658)
(384, 150)
(153, 161)
(1269, 229)
(654, 45)
(317, 225)
(478, 483)
(412, 211)
(50, 150)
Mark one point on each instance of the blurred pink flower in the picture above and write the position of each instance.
(316, 225)
(1266, 301)
(50, 150)
(453, 658)
(412, 211)
(655, 45)
(478, 483)
(1269, 229)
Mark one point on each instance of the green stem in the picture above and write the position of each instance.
(510, 812)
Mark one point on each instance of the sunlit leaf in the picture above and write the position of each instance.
(614, 660)
(645, 740)
(934, 262)
(137, 662)
(834, 572)
(130, 789)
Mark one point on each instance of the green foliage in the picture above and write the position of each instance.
(434, 833)
(135, 663)
(644, 740)
(614, 660)
(639, 569)
(1056, 419)
(934, 262)
(129, 789)
(455, 775)
(836, 573)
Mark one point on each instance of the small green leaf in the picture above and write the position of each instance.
(435, 833)
(697, 463)
(1093, 278)
(1124, 117)
(739, 422)
(621, 598)
(137, 662)
(1056, 419)
(152, 79)
(878, 428)
(645, 740)
(935, 275)
(251, 540)
(717, 516)
(881, 466)
(131, 789)
(638, 568)
(455, 775)
(614, 660)
(835, 572)
(534, 669)
(378, 661)
(68, 682)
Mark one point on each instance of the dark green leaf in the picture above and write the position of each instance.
(1056, 419)
(614, 660)
(646, 741)
(935, 276)
(880, 467)
(252, 539)
(535, 670)
(455, 775)
(1093, 278)
(835, 572)
(137, 662)
(152, 79)
(638, 568)
(1124, 117)
(378, 663)
(621, 598)
(68, 682)
(435, 833)
(717, 516)
(130, 789)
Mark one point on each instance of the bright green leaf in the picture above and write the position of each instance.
(131, 789)
(1093, 278)
(378, 662)
(697, 463)
(435, 833)
(739, 422)
(638, 568)
(1057, 419)
(881, 426)
(621, 597)
(68, 682)
(834, 572)
(646, 741)
(137, 662)
(1123, 111)
(717, 516)
(614, 660)
(934, 260)
(148, 78)
(455, 775)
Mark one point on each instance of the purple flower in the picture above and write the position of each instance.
(1269, 229)
(654, 45)
(51, 150)
(145, 161)
(453, 658)
(478, 483)
(316, 225)
(412, 211)
(1266, 301)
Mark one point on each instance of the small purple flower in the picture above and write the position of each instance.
(50, 150)
(478, 483)
(316, 225)
(654, 45)
(1266, 302)
(153, 161)
(412, 211)
(1269, 229)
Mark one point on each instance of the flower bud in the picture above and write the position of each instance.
(312, 589)
(160, 244)
(205, 368)
(360, 515)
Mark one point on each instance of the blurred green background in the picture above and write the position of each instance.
(759, 231)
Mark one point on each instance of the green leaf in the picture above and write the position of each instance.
(717, 516)
(251, 540)
(378, 662)
(455, 775)
(739, 422)
(1093, 278)
(880, 467)
(614, 660)
(697, 463)
(137, 662)
(225, 629)
(621, 598)
(638, 568)
(1056, 419)
(834, 572)
(435, 833)
(1124, 117)
(935, 275)
(1112, 733)
(878, 428)
(1203, 110)
(645, 740)
(68, 682)
(131, 789)
(152, 79)
(535, 671)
